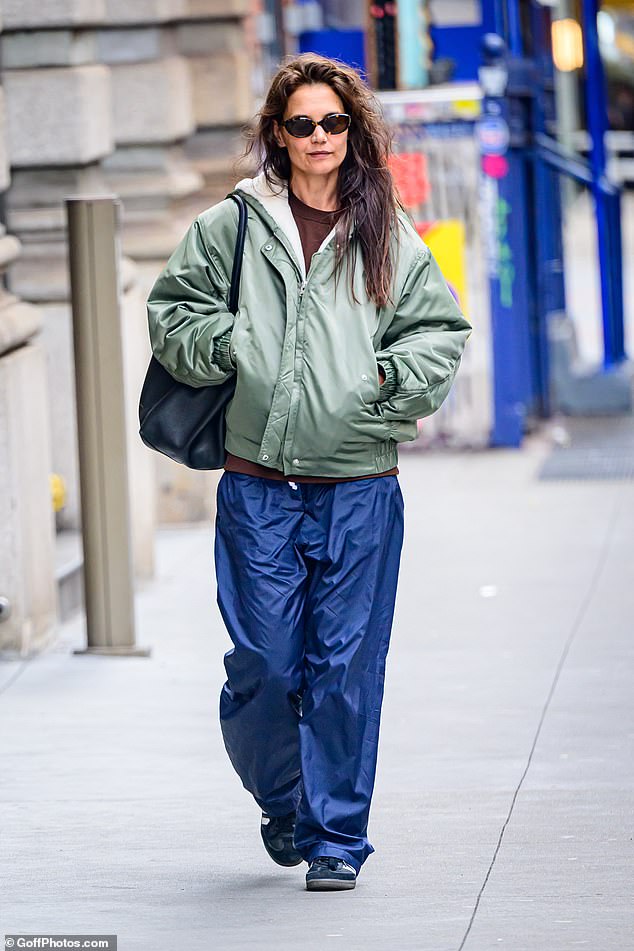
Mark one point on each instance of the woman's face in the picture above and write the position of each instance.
(319, 153)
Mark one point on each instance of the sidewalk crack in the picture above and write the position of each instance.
(581, 613)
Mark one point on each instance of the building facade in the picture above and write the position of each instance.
(143, 100)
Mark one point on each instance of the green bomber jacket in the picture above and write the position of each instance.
(308, 399)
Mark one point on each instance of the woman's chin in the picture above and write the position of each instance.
(321, 165)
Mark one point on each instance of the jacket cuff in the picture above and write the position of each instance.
(222, 353)
(388, 387)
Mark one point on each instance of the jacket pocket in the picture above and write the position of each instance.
(368, 423)
(370, 387)
(234, 340)
(403, 430)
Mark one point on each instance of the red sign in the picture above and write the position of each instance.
(410, 176)
(495, 166)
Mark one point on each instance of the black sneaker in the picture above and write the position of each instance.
(327, 873)
(277, 835)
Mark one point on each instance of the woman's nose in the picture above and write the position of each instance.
(319, 135)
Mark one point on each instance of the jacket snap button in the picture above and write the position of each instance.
(364, 377)
(265, 457)
(295, 462)
(268, 247)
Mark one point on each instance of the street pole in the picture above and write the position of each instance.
(502, 136)
(94, 275)
(514, 28)
(606, 195)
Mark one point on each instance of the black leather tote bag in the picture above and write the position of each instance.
(187, 423)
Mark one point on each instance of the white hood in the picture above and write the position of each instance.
(275, 201)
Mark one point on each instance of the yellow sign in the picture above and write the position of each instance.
(58, 491)
(468, 108)
(446, 241)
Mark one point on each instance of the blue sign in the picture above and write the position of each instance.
(493, 135)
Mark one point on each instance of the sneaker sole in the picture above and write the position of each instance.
(278, 861)
(328, 885)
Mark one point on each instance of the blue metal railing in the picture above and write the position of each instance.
(606, 196)
(534, 160)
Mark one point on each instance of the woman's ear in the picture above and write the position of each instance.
(277, 133)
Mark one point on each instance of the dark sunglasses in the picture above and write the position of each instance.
(300, 127)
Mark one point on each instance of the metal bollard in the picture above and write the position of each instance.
(94, 275)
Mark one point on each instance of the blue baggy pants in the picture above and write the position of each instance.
(307, 578)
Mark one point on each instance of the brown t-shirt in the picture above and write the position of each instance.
(313, 226)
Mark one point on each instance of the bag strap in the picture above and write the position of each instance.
(236, 270)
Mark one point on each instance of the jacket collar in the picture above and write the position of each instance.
(274, 201)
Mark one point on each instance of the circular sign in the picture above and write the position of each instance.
(493, 135)
(495, 166)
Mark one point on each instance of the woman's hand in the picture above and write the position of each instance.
(381, 375)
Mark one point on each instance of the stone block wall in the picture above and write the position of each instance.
(144, 100)
(27, 574)
(41, 14)
(26, 520)
(68, 122)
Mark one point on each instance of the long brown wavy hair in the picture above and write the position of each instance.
(366, 192)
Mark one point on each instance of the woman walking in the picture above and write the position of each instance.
(346, 334)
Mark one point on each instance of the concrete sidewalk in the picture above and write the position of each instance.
(503, 805)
